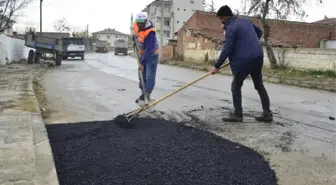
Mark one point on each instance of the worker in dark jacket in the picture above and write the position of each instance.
(243, 48)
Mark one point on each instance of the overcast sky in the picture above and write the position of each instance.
(100, 14)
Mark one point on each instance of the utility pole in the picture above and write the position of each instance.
(245, 12)
(161, 33)
(87, 30)
(41, 17)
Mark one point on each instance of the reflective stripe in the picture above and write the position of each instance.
(140, 39)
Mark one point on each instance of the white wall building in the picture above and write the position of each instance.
(176, 13)
(110, 35)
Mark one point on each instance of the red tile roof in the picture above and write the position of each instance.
(330, 21)
(205, 23)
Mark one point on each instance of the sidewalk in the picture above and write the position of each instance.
(25, 152)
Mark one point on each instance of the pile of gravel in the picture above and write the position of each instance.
(155, 152)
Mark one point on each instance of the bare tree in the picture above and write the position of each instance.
(62, 25)
(210, 7)
(277, 9)
(9, 10)
(81, 33)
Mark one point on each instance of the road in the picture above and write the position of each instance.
(300, 144)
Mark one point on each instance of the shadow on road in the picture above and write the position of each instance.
(155, 152)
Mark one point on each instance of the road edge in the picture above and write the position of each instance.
(45, 169)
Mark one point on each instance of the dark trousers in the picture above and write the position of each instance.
(254, 69)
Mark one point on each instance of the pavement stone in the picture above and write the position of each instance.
(25, 154)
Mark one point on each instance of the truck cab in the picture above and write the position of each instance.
(74, 47)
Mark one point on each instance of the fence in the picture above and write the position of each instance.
(299, 58)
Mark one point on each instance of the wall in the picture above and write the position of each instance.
(168, 52)
(12, 49)
(300, 58)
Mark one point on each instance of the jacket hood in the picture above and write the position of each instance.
(149, 25)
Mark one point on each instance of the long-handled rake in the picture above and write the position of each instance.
(124, 120)
(142, 81)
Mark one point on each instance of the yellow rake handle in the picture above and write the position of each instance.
(172, 93)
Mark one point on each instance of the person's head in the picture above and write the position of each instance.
(141, 20)
(224, 14)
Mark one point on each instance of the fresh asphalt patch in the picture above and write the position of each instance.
(154, 152)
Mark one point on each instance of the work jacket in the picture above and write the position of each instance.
(241, 45)
(146, 41)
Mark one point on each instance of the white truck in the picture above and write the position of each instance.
(120, 46)
(74, 47)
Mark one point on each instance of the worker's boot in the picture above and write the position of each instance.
(141, 98)
(265, 117)
(233, 118)
(148, 96)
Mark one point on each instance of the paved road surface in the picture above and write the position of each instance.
(300, 144)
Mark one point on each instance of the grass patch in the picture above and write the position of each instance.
(326, 73)
(40, 95)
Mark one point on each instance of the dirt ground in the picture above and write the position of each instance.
(15, 94)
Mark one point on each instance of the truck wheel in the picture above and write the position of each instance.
(58, 59)
(82, 57)
(31, 56)
(115, 53)
(64, 57)
(37, 57)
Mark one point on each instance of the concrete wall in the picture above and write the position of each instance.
(301, 58)
(12, 49)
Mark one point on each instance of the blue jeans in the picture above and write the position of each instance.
(149, 73)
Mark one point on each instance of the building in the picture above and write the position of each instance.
(327, 21)
(110, 35)
(327, 43)
(176, 13)
(201, 38)
(283, 33)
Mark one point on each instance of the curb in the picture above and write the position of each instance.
(45, 170)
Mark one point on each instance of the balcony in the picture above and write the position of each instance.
(165, 28)
(166, 14)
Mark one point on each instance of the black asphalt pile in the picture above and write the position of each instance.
(155, 152)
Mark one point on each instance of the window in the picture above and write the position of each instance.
(178, 21)
(193, 10)
(178, 9)
(183, 22)
(108, 37)
(116, 36)
(166, 23)
(192, 2)
(184, 9)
